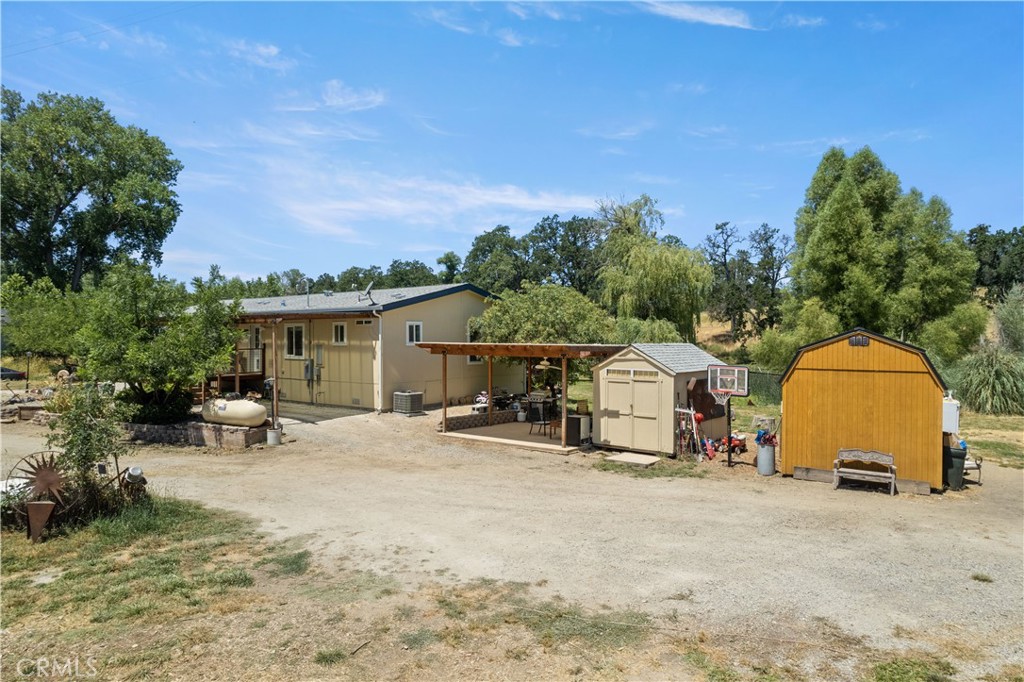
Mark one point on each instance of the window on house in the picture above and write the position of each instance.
(293, 336)
(340, 334)
(413, 333)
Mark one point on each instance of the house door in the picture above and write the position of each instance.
(252, 345)
(632, 405)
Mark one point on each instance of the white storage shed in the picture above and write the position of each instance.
(637, 390)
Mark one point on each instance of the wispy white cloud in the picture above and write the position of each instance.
(688, 88)
(347, 204)
(263, 55)
(614, 151)
(449, 21)
(810, 146)
(453, 19)
(509, 38)
(708, 131)
(649, 179)
(907, 135)
(628, 132)
(700, 14)
(544, 10)
(873, 24)
(798, 21)
(425, 121)
(339, 96)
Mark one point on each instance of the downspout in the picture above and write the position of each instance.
(380, 361)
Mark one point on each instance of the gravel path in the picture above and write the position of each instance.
(747, 557)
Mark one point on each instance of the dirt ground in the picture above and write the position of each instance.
(767, 567)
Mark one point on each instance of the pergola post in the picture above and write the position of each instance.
(490, 390)
(273, 343)
(565, 396)
(444, 392)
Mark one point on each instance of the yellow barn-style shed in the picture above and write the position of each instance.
(865, 391)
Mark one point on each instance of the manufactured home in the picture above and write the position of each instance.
(358, 349)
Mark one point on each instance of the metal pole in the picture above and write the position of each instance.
(728, 426)
(28, 368)
(273, 361)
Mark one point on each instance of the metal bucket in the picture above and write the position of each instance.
(273, 436)
(766, 460)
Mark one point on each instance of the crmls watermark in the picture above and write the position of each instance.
(57, 668)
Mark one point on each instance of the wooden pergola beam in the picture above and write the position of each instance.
(523, 350)
(564, 351)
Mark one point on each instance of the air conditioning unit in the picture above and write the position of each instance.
(408, 402)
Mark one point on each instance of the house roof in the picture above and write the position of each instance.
(864, 332)
(678, 357)
(348, 302)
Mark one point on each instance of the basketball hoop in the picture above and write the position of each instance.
(721, 397)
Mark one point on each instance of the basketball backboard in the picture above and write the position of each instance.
(728, 379)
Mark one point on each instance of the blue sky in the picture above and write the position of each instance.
(325, 135)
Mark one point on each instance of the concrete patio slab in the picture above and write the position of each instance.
(634, 459)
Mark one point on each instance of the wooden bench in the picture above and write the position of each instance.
(973, 465)
(870, 457)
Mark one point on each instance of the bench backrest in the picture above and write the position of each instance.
(867, 456)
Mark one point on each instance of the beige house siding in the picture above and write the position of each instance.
(351, 374)
(408, 368)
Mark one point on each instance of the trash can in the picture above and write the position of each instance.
(953, 467)
(766, 460)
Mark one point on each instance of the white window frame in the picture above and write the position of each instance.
(344, 334)
(413, 324)
(287, 338)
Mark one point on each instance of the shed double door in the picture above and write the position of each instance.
(631, 410)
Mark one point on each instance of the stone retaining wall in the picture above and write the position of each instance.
(471, 421)
(197, 433)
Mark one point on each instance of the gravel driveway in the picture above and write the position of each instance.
(746, 556)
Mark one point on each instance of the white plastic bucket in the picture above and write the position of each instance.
(273, 436)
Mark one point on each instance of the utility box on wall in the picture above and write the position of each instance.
(950, 415)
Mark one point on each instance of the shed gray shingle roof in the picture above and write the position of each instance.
(678, 357)
(351, 301)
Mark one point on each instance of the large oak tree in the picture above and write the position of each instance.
(78, 189)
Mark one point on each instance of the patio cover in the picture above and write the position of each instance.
(515, 350)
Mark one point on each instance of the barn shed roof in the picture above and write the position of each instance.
(859, 331)
(678, 357)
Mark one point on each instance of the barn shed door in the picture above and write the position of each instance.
(646, 408)
(617, 422)
(632, 403)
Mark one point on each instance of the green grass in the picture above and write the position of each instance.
(1007, 454)
(155, 564)
(982, 577)
(292, 563)
(972, 421)
(329, 657)
(913, 670)
(419, 638)
(712, 671)
(666, 468)
(555, 623)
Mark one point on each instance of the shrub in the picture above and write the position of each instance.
(991, 381)
(156, 407)
(1010, 315)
